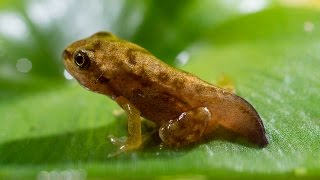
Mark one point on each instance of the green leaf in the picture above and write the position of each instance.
(48, 124)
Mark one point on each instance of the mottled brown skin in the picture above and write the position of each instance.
(185, 107)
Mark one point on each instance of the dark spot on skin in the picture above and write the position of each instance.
(198, 89)
(120, 64)
(143, 73)
(163, 77)
(132, 56)
(97, 45)
(103, 80)
(113, 49)
(142, 79)
(146, 84)
(244, 110)
(178, 83)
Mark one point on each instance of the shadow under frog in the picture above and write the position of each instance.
(93, 145)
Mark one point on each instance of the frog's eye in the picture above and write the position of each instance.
(81, 59)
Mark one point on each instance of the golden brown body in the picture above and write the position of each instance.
(185, 107)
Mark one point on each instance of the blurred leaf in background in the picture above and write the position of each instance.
(270, 49)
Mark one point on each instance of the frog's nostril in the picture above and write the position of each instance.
(66, 54)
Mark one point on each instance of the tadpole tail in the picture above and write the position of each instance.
(242, 118)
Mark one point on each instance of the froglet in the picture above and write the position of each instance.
(185, 108)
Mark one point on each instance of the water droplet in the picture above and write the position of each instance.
(182, 58)
(67, 75)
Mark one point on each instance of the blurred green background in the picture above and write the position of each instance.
(50, 126)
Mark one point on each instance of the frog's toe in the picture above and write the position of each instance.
(120, 143)
(117, 141)
(124, 148)
(123, 144)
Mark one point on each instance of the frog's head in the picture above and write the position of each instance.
(82, 59)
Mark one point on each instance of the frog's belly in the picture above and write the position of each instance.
(159, 108)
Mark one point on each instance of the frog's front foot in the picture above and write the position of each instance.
(124, 144)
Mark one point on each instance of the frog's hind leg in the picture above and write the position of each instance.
(185, 129)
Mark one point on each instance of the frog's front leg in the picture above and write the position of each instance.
(185, 129)
(133, 141)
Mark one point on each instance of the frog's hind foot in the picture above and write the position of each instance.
(122, 146)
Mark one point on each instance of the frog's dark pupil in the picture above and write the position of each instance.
(81, 60)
